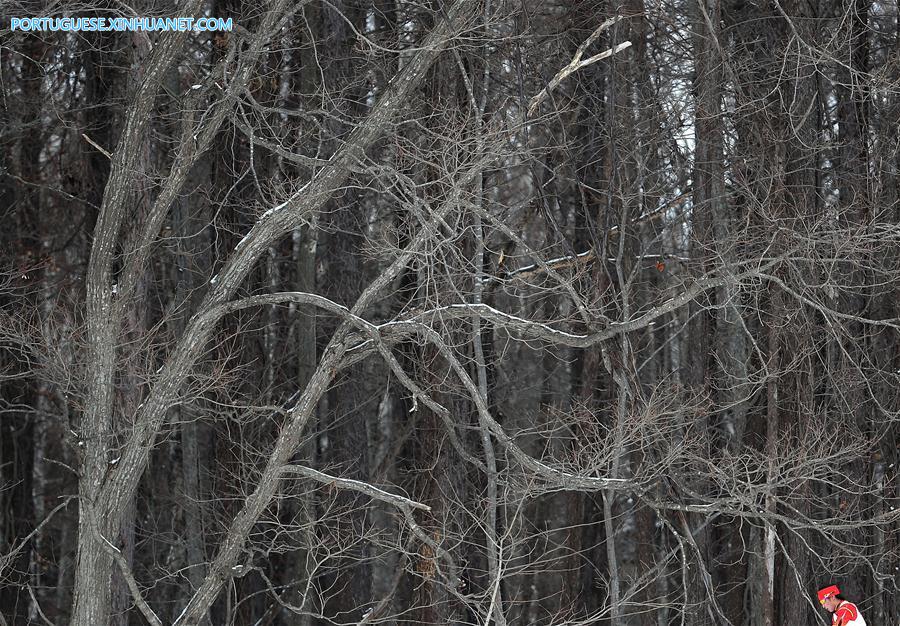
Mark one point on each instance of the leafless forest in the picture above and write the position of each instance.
(508, 312)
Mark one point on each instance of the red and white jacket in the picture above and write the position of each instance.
(847, 615)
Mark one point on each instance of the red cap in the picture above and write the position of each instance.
(827, 592)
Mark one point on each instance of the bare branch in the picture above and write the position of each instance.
(577, 63)
(355, 485)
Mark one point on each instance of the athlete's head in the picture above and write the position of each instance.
(830, 598)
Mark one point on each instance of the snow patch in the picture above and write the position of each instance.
(274, 209)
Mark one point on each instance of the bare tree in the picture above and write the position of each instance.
(470, 312)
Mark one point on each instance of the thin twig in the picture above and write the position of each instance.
(9, 556)
(38, 607)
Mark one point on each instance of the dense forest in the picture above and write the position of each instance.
(511, 312)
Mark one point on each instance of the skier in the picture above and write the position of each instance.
(844, 613)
